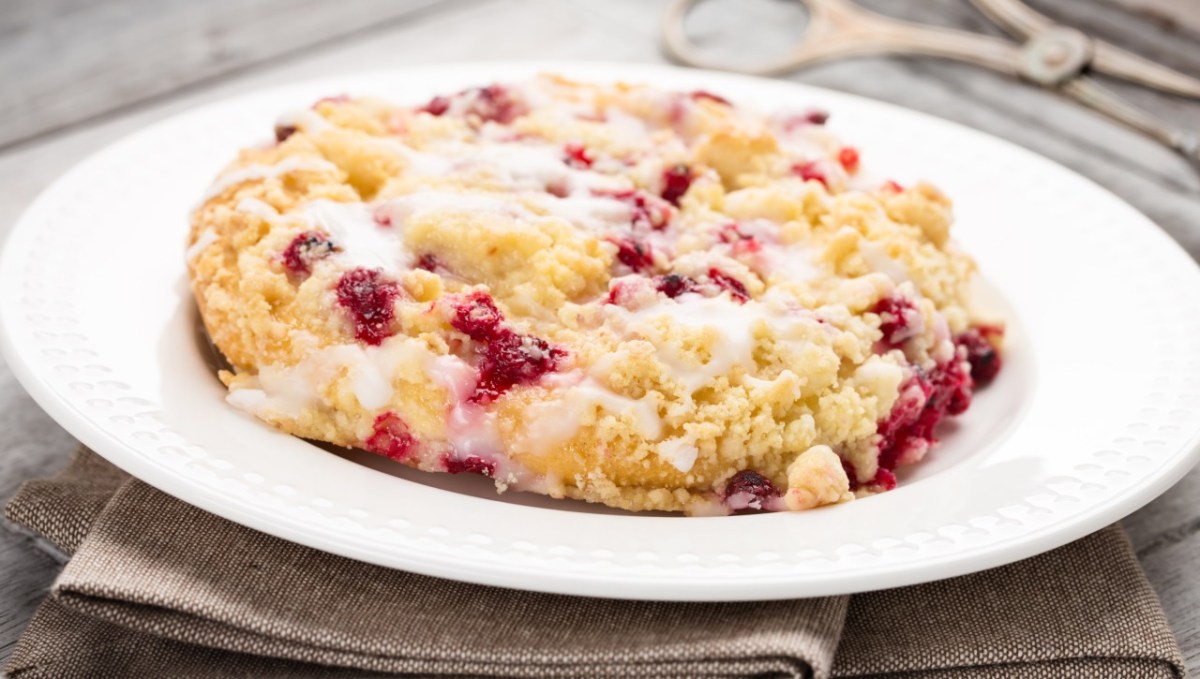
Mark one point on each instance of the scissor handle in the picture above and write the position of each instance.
(838, 29)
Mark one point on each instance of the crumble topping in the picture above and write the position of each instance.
(650, 299)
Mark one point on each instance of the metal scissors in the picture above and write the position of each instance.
(1053, 56)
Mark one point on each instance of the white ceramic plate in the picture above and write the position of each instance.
(1096, 413)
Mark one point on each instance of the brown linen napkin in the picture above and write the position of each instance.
(156, 587)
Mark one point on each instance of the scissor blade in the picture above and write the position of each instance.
(1114, 61)
(1087, 91)
(1022, 21)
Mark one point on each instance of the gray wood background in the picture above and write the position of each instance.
(78, 74)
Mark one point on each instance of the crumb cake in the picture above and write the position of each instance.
(653, 300)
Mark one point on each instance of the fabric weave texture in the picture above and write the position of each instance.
(156, 587)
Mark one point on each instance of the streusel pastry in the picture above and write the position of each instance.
(654, 300)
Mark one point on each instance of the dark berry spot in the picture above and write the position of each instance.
(925, 399)
(436, 106)
(899, 320)
(726, 282)
(472, 464)
(954, 383)
(676, 181)
(509, 358)
(811, 171)
(577, 156)
(634, 254)
(497, 104)
(981, 353)
(749, 490)
(482, 104)
(731, 233)
(900, 430)
(698, 95)
(282, 132)
(616, 295)
(370, 297)
(391, 438)
(884, 479)
(506, 358)
(673, 285)
(811, 117)
(741, 242)
(305, 249)
(848, 157)
(649, 215)
(477, 317)
(851, 474)
(428, 262)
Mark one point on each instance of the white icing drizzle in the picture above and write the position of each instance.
(733, 323)
(792, 263)
(534, 167)
(254, 206)
(470, 429)
(373, 369)
(877, 258)
(517, 167)
(283, 167)
(773, 260)
(276, 390)
(248, 399)
(597, 214)
(435, 163)
(206, 238)
(290, 390)
(630, 127)
(573, 401)
(420, 204)
(364, 241)
(680, 451)
(352, 226)
(525, 166)
(803, 140)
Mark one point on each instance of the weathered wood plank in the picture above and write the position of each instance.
(1142, 172)
(1171, 518)
(1171, 569)
(1170, 14)
(503, 29)
(60, 68)
(34, 446)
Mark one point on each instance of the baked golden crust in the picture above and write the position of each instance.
(648, 299)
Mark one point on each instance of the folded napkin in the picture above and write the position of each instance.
(155, 587)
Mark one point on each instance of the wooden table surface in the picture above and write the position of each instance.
(79, 74)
